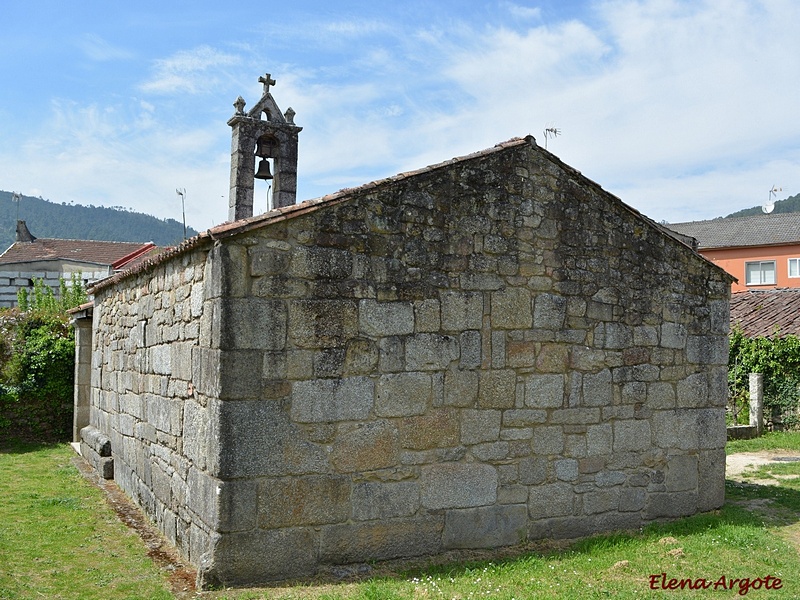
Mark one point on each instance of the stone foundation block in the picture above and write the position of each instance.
(259, 556)
(485, 527)
(458, 485)
(342, 544)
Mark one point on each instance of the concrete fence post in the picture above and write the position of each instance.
(757, 402)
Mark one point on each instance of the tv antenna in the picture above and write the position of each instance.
(769, 205)
(16, 197)
(552, 132)
(182, 193)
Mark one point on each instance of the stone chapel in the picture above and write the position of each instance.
(481, 352)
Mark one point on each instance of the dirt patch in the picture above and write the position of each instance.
(182, 577)
(736, 465)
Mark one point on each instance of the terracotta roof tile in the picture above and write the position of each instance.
(760, 313)
(89, 251)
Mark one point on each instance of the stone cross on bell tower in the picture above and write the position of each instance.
(260, 134)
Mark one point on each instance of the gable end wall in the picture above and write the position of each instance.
(492, 351)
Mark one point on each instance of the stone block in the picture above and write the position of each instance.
(250, 323)
(396, 538)
(598, 389)
(322, 323)
(265, 260)
(632, 435)
(548, 440)
(361, 357)
(551, 500)
(671, 504)
(511, 309)
(430, 352)
(223, 506)
(660, 395)
(566, 469)
(258, 556)
(460, 388)
(380, 319)
(368, 447)
(485, 527)
(520, 353)
(692, 392)
(711, 477)
(391, 354)
(458, 485)
(549, 312)
(470, 342)
(497, 388)
(632, 499)
(427, 316)
(385, 500)
(436, 429)
(533, 470)
(523, 417)
(299, 501)
(600, 501)
(323, 400)
(544, 391)
(255, 439)
(314, 262)
(673, 335)
(480, 426)
(681, 473)
(552, 358)
(461, 310)
(403, 394)
(491, 451)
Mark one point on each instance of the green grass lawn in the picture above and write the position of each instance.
(59, 539)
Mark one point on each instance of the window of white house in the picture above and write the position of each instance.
(760, 273)
(794, 267)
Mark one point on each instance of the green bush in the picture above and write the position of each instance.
(778, 359)
(37, 362)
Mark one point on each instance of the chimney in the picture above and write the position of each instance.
(261, 135)
(23, 235)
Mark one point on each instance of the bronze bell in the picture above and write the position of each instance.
(263, 171)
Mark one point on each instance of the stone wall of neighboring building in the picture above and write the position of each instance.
(479, 353)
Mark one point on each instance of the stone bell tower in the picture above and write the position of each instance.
(260, 134)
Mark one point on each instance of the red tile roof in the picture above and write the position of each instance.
(116, 254)
(764, 313)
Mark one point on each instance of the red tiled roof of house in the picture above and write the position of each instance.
(765, 313)
(116, 254)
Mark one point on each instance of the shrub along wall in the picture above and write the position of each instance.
(37, 357)
(778, 359)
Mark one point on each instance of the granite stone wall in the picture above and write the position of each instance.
(480, 353)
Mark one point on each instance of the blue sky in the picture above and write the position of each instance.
(686, 110)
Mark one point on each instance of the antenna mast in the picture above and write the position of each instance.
(182, 193)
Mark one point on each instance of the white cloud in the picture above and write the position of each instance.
(99, 49)
(189, 72)
(522, 12)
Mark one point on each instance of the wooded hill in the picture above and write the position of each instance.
(76, 222)
(790, 204)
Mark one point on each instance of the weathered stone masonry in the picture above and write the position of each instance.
(486, 351)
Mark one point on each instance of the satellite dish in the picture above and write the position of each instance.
(769, 206)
